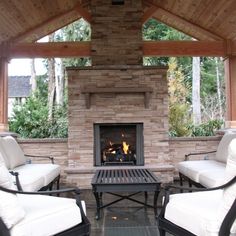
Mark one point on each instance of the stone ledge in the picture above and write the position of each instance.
(91, 170)
(43, 140)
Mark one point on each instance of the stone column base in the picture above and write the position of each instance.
(230, 124)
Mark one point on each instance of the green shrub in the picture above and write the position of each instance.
(178, 120)
(206, 129)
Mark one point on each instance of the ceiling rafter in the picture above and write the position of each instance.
(148, 13)
(161, 11)
(57, 22)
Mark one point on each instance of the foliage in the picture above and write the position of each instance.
(30, 120)
(179, 122)
(207, 129)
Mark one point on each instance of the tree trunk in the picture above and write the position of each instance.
(60, 83)
(33, 76)
(196, 91)
(51, 82)
(218, 88)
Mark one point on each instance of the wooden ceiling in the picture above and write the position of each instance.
(30, 20)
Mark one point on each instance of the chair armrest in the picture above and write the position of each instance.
(75, 190)
(196, 153)
(230, 182)
(37, 156)
(16, 174)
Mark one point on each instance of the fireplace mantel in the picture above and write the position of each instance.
(93, 90)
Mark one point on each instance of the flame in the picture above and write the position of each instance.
(125, 147)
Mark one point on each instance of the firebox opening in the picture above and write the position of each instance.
(118, 144)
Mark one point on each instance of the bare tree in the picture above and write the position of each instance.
(196, 90)
(33, 75)
(51, 82)
(60, 82)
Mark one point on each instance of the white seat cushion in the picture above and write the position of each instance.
(192, 169)
(37, 175)
(212, 178)
(46, 215)
(31, 179)
(193, 211)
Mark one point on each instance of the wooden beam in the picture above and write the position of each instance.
(148, 14)
(185, 48)
(150, 48)
(51, 25)
(181, 21)
(3, 94)
(230, 74)
(83, 13)
(51, 49)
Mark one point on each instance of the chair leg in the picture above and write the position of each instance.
(58, 183)
(162, 232)
(181, 181)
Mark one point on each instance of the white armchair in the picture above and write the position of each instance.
(36, 214)
(28, 176)
(209, 212)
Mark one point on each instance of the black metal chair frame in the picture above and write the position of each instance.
(82, 229)
(166, 226)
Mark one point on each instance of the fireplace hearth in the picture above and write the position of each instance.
(118, 144)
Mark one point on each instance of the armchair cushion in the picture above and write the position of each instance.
(33, 176)
(193, 169)
(11, 211)
(193, 211)
(53, 213)
(4, 155)
(222, 149)
(14, 152)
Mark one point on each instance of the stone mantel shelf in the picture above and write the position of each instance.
(92, 90)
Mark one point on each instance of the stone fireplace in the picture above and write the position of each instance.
(117, 102)
(118, 144)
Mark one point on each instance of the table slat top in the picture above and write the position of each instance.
(124, 176)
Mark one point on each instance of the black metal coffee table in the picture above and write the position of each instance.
(124, 180)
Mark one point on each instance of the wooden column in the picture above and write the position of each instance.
(3, 94)
(230, 78)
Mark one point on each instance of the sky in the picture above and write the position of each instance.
(22, 67)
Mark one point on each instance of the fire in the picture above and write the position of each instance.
(125, 147)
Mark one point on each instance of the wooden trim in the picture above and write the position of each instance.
(50, 49)
(89, 91)
(150, 48)
(184, 48)
(148, 14)
(181, 21)
(3, 94)
(83, 13)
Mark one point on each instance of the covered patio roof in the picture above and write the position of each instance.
(211, 22)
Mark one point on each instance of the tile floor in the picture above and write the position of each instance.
(122, 219)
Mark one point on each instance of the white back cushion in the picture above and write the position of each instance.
(11, 211)
(222, 150)
(13, 152)
(4, 155)
(229, 194)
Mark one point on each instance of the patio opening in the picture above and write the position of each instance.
(118, 144)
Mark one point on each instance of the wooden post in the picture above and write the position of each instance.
(3, 94)
(230, 78)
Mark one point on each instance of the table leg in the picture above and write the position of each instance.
(155, 202)
(96, 195)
